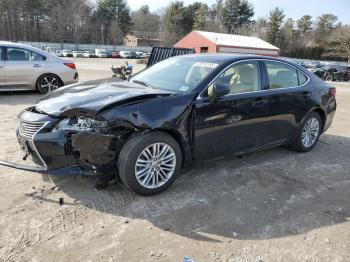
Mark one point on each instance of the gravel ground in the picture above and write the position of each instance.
(274, 205)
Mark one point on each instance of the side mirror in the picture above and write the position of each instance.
(220, 89)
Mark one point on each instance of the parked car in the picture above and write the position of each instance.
(23, 67)
(77, 54)
(101, 53)
(133, 55)
(67, 53)
(125, 54)
(336, 72)
(89, 54)
(142, 55)
(332, 72)
(113, 54)
(59, 53)
(183, 109)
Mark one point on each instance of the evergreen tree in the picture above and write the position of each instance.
(173, 23)
(189, 14)
(305, 24)
(236, 13)
(274, 34)
(201, 17)
(114, 11)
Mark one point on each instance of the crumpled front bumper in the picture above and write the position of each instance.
(72, 170)
(58, 152)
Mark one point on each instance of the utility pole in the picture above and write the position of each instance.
(102, 34)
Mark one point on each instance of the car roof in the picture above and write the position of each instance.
(28, 47)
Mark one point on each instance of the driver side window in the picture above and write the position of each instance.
(242, 77)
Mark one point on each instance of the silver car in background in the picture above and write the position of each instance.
(23, 67)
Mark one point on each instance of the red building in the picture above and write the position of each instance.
(208, 42)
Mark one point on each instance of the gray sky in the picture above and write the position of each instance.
(292, 8)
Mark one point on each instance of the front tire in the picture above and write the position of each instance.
(47, 83)
(308, 134)
(149, 163)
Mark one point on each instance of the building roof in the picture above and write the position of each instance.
(236, 40)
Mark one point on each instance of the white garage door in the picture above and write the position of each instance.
(223, 49)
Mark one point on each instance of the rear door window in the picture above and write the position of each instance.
(37, 57)
(281, 75)
(302, 78)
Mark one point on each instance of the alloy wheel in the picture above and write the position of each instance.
(49, 83)
(155, 165)
(310, 132)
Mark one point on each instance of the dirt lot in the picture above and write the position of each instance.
(274, 205)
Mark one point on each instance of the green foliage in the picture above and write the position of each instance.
(325, 24)
(201, 17)
(189, 14)
(236, 13)
(305, 24)
(115, 11)
(274, 34)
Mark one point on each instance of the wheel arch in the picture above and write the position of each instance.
(184, 146)
(322, 115)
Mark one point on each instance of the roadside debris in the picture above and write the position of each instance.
(187, 259)
(202, 201)
(235, 234)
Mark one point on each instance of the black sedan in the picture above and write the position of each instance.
(184, 109)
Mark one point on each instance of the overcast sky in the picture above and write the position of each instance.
(292, 8)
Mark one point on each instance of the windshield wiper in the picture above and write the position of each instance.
(143, 83)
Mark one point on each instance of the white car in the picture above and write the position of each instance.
(102, 55)
(67, 53)
(141, 55)
(89, 54)
(77, 54)
(125, 54)
(23, 67)
(59, 53)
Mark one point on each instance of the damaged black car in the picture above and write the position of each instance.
(183, 109)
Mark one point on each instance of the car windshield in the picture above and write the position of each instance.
(178, 74)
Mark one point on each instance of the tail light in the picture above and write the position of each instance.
(332, 91)
(70, 65)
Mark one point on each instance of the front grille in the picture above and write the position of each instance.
(28, 130)
(34, 155)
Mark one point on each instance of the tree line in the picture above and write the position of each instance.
(108, 21)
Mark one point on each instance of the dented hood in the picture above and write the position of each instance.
(89, 98)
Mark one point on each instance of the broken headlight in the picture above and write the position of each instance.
(79, 124)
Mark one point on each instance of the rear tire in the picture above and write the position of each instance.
(47, 83)
(329, 78)
(308, 133)
(149, 163)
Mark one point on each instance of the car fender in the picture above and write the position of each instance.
(175, 119)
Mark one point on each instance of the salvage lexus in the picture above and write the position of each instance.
(183, 109)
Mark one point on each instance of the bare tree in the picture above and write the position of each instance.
(146, 24)
(341, 40)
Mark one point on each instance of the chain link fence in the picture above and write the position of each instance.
(85, 47)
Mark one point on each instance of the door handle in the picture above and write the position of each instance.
(260, 102)
(37, 65)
